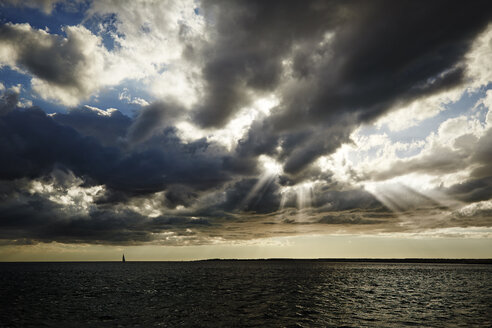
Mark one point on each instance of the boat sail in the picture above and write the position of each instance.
(123, 259)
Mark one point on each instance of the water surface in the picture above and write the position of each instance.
(245, 293)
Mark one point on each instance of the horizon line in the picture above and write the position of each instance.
(328, 259)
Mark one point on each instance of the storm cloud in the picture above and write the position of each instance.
(34, 144)
(334, 63)
(237, 120)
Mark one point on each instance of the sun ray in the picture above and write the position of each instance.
(271, 170)
(400, 196)
(304, 195)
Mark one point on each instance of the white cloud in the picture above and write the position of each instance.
(445, 157)
(151, 206)
(474, 208)
(67, 190)
(487, 101)
(125, 95)
(411, 115)
(101, 112)
(24, 103)
(479, 60)
(448, 150)
(150, 49)
(10, 98)
(152, 39)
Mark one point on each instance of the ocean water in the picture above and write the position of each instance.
(245, 294)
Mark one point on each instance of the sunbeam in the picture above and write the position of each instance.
(304, 195)
(271, 170)
(399, 196)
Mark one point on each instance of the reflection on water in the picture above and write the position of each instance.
(250, 294)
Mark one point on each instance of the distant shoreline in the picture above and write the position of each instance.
(370, 260)
(330, 260)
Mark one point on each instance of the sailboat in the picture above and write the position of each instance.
(123, 259)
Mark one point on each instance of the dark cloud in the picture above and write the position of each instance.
(164, 160)
(241, 165)
(177, 195)
(33, 144)
(252, 39)
(37, 218)
(322, 142)
(379, 54)
(482, 155)
(109, 128)
(47, 56)
(347, 219)
(313, 173)
(333, 65)
(27, 215)
(260, 139)
(473, 190)
(252, 195)
(151, 119)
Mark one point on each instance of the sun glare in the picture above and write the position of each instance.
(270, 166)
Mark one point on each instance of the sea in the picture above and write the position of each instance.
(274, 293)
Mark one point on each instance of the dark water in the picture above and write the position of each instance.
(250, 294)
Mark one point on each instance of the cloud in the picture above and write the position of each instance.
(153, 118)
(65, 69)
(461, 144)
(482, 208)
(36, 217)
(115, 41)
(8, 101)
(341, 219)
(109, 126)
(58, 207)
(472, 190)
(239, 198)
(483, 155)
(260, 123)
(35, 144)
(153, 42)
(256, 63)
(361, 63)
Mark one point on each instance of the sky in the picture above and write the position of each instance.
(182, 130)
